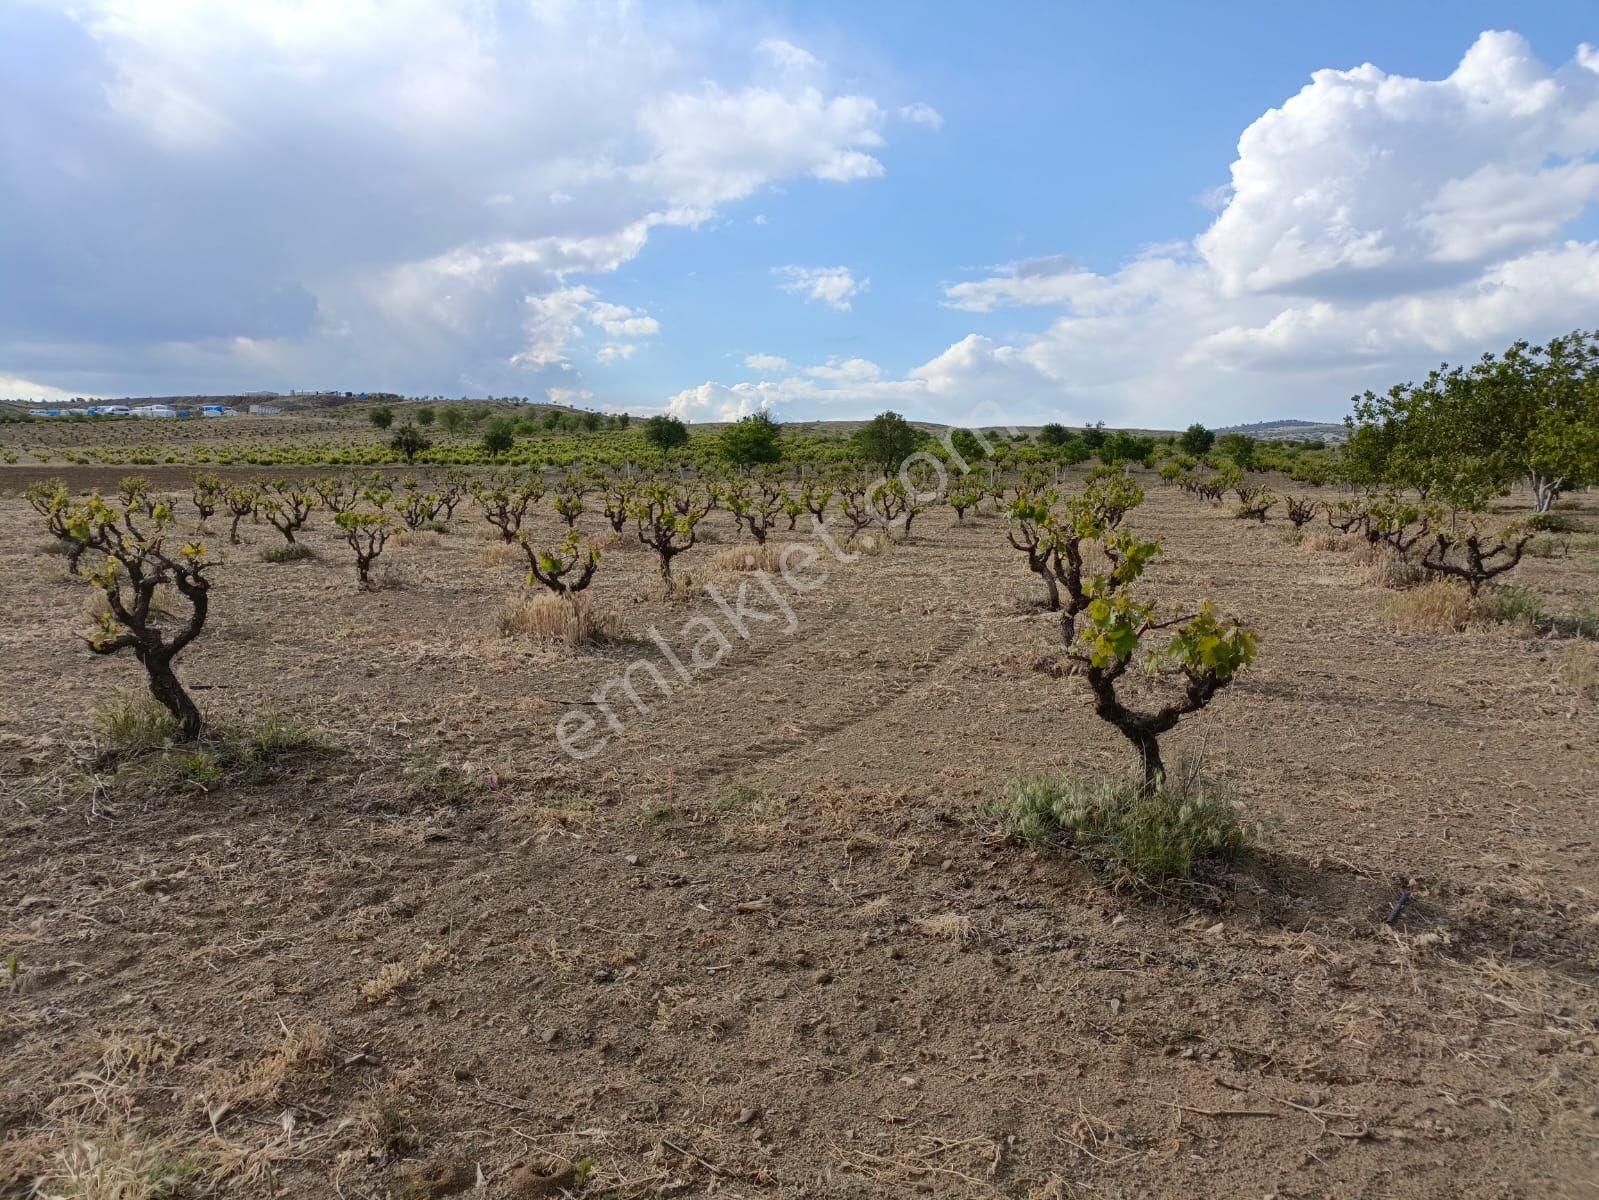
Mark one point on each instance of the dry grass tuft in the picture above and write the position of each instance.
(870, 542)
(423, 539)
(1437, 607)
(299, 1054)
(1385, 569)
(396, 977)
(548, 618)
(948, 927)
(1322, 541)
(499, 554)
(1579, 670)
(766, 558)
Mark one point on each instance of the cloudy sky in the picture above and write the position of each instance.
(1008, 210)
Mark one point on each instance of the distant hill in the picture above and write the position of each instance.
(1292, 430)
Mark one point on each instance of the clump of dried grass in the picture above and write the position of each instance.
(870, 542)
(396, 977)
(1579, 670)
(1437, 607)
(1322, 541)
(766, 557)
(296, 1055)
(499, 554)
(549, 618)
(948, 927)
(1385, 569)
(423, 538)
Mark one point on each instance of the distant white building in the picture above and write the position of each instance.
(155, 410)
(265, 410)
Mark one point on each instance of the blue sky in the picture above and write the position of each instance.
(967, 213)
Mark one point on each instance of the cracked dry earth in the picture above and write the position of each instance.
(766, 943)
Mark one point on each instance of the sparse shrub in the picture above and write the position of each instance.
(1579, 670)
(1143, 837)
(138, 563)
(666, 516)
(765, 556)
(1387, 569)
(1519, 606)
(1301, 509)
(565, 569)
(287, 507)
(241, 500)
(1323, 542)
(366, 533)
(1550, 522)
(290, 552)
(505, 500)
(53, 502)
(1466, 552)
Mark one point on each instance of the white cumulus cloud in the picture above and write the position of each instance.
(832, 286)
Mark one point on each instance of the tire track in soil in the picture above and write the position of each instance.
(722, 707)
(782, 749)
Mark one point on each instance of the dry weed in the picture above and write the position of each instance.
(549, 618)
(1437, 607)
(499, 554)
(299, 1054)
(1323, 541)
(1579, 669)
(948, 927)
(1385, 569)
(396, 977)
(767, 557)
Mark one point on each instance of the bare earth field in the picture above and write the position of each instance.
(767, 942)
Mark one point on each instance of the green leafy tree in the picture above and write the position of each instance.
(1239, 447)
(885, 441)
(409, 441)
(382, 416)
(424, 417)
(751, 441)
(1196, 440)
(1054, 434)
(454, 420)
(665, 433)
(968, 445)
(500, 437)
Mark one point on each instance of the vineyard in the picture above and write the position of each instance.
(628, 811)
